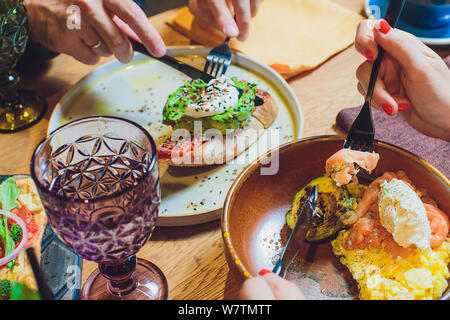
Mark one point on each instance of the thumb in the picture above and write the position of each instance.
(403, 47)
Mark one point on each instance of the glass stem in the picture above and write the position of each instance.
(120, 276)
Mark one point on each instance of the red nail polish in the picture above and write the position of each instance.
(264, 272)
(403, 107)
(384, 26)
(388, 109)
(369, 55)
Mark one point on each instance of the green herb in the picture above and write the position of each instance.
(16, 233)
(5, 289)
(20, 291)
(9, 193)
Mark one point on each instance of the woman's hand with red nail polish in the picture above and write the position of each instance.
(413, 80)
(269, 286)
(384, 26)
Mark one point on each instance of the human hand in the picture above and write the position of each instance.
(219, 14)
(269, 286)
(413, 79)
(103, 30)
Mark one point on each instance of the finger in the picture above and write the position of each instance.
(243, 14)
(403, 103)
(83, 54)
(381, 95)
(130, 13)
(256, 288)
(100, 20)
(283, 289)
(364, 41)
(407, 50)
(363, 92)
(90, 37)
(361, 89)
(125, 28)
(223, 18)
(391, 74)
(200, 9)
(254, 6)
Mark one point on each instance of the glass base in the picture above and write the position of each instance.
(151, 284)
(29, 108)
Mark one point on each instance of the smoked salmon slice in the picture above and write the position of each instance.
(343, 166)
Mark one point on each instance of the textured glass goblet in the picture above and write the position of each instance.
(19, 109)
(98, 180)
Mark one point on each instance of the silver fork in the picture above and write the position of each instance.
(219, 59)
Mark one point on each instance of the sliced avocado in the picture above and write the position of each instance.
(233, 119)
(332, 202)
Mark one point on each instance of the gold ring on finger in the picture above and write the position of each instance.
(97, 45)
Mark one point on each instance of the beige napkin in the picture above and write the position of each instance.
(291, 36)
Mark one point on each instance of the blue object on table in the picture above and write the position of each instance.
(426, 14)
(431, 36)
(141, 3)
(62, 267)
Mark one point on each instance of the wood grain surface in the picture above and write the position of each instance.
(192, 258)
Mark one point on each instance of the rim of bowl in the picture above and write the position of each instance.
(42, 188)
(253, 166)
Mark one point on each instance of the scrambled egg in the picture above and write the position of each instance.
(420, 276)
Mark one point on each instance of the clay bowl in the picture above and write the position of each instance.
(253, 218)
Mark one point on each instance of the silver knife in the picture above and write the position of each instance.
(190, 71)
(297, 237)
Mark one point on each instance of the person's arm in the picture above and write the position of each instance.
(413, 80)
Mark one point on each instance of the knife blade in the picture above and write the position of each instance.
(297, 237)
(188, 70)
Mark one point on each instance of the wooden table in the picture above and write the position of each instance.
(192, 258)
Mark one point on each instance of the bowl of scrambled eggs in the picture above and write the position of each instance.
(382, 235)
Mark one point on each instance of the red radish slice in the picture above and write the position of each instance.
(22, 243)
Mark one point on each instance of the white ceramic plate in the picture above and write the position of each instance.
(138, 91)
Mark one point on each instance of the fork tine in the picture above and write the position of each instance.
(225, 66)
(360, 147)
(363, 146)
(216, 68)
(213, 66)
(347, 144)
(368, 147)
(221, 64)
(207, 63)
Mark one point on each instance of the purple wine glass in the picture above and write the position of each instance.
(98, 180)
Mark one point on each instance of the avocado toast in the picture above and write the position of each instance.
(214, 122)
